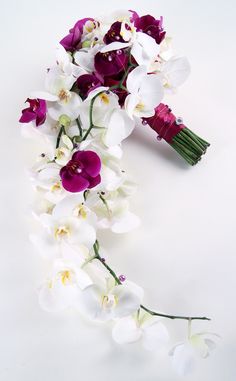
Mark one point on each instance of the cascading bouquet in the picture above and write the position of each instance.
(110, 75)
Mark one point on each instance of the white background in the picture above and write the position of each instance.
(184, 252)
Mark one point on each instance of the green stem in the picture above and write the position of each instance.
(190, 146)
(153, 313)
(62, 130)
(91, 124)
(79, 127)
(98, 257)
(104, 201)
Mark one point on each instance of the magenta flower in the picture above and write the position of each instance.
(81, 172)
(134, 16)
(149, 25)
(36, 111)
(110, 63)
(113, 33)
(72, 40)
(87, 83)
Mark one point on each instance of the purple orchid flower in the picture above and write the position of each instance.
(134, 16)
(151, 26)
(36, 111)
(72, 40)
(81, 172)
(110, 63)
(87, 83)
(113, 34)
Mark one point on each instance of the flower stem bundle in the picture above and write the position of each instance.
(188, 145)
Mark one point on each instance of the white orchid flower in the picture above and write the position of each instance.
(127, 188)
(92, 35)
(66, 237)
(85, 58)
(146, 92)
(185, 354)
(40, 204)
(106, 302)
(115, 215)
(64, 61)
(103, 105)
(175, 72)
(150, 331)
(62, 288)
(47, 177)
(107, 114)
(75, 206)
(64, 152)
(143, 47)
(61, 101)
(97, 144)
(112, 176)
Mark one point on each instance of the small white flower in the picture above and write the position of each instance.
(63, 153)
(64, 61)
(62, 289)
(115, 125)
(175, 72)
(85, 58)
(184, 354)
(46, 177)
(103, 105)
(149, 330)
(114, 214)
(104, 302)
(146, 92)
(61, 101)
(74, 205)
(66, 237)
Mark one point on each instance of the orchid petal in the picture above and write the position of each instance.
(135, 78)
(120, 127)
(128, 302)
(176, 71)
(155, 335)
(114, 46)
(125, 331)
(128, 222)
(43, 95)
(183, 359)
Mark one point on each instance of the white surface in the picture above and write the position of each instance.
(184, 253)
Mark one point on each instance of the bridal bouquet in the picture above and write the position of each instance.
(110, 75)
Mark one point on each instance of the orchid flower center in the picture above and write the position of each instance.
(64, 95)
(56, 187)
(109, 301)
(140, 106)
(65, 277)
(35, 104)
(89, 26)
(60, 153)
(104, 98)
(75, 167)
(62, 232)
(80, 211)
